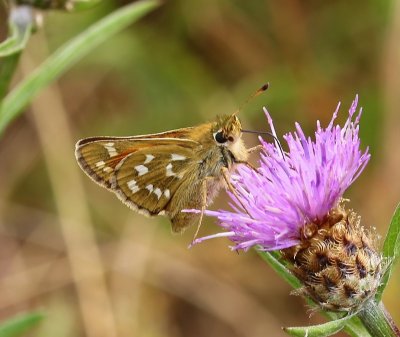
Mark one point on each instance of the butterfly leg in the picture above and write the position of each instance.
(203, 205)
(249, 165)
(225, 174)
(254, 149)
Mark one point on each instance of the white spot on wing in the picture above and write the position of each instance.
(167, 194)
(100, 164)
(158, 193)
(169, 172)
(150, 187)
(111, 149)
(107, 169)
(141, 169)
(149, 158)
(175, 156)
(133, 186)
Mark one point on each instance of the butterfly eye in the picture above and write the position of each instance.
(220, 138)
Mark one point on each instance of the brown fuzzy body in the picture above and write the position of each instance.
(337, 262)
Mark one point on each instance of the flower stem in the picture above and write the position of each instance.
(378, 321)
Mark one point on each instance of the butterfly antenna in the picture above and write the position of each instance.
(252, 96)
(269, 134)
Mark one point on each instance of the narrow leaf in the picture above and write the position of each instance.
(68, 55)
(320, 330)
(391, 249)
(17, 41)
(20, 27)
(353, 327)
(11, 40)
(20, 22)
(19, 325)
(7, 68)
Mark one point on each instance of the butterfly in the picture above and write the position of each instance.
(165, 173)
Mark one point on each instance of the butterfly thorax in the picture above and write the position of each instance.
(221, 146)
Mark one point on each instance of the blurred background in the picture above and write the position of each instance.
(70, 249)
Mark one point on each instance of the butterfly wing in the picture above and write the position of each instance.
(143, 172)
(147, 181)
(99, 156)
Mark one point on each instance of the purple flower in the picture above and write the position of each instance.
(293, 188)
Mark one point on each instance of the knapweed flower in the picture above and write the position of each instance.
(294, 203)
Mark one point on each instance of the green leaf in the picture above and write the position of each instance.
(16, 41)
(320, 330)
(20, 28)
(20, 324)
(391, 249)
(11, 40)
(68, 55)
(353, 327)
(7, 69)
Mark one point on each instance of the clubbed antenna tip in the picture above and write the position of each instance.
(255, 94)
(264, 87)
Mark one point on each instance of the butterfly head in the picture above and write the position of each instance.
(227, 130)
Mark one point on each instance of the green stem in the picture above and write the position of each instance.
(7, 69)
(378, 321)
(275, 261)
(20, 25)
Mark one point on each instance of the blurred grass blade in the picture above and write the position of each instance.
(20, 27)
(11, 41)
(80, 5)
(19, 325)
(391, 249)
(16, 42)
(68, 55)
(10, 55)
(20, 23)
(320, 330)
